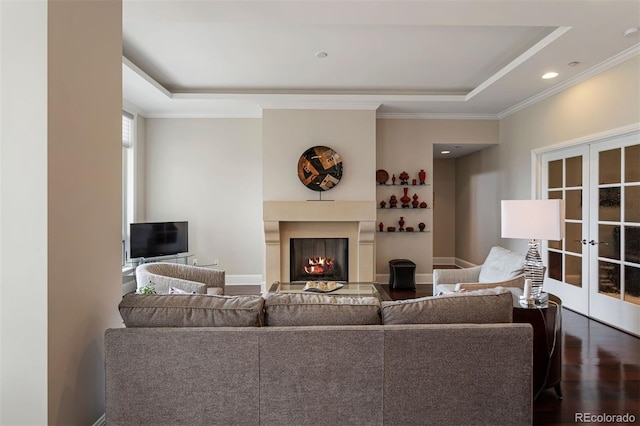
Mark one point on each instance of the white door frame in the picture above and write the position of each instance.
(536, 161)
(536, 154)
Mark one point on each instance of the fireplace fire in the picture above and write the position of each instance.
(319, 259)
(319, 266)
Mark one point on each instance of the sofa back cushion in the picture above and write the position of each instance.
(191, 310)
(475, 307)
(295, 309)
(501, 265)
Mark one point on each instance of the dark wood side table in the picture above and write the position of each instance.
(547, 342)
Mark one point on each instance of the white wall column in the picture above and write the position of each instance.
(23, 213)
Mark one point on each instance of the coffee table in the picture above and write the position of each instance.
(349, 289)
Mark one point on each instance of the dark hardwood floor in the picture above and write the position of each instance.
(600, 369)
(600, 374)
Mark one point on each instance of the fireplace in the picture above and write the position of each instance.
(319, 259)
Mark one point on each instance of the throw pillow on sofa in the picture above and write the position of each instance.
(295, 309)
(191, 310)
(474, 307)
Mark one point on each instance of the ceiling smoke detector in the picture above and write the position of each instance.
(321, 55)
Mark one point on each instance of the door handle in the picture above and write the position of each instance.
(584, 242)
(593, 243)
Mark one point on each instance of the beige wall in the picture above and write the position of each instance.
(208, 171)
(23, 213)
(408, 145)
(444, 208)
(84, 202)
(607, 101)
(286, 134)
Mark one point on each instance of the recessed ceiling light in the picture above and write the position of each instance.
(445, 152)
(550, 74)
(321, 54)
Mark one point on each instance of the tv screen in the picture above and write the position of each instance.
(158, 239)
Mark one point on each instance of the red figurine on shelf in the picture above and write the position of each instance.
(405, 198)
(381, 226)
(401, 223)
(393, 201)
(415, 202)
(423, 205)
(422, 175)
(393, 180)
(413, 182)
(421, 226)
(383, 203)
(404, 176)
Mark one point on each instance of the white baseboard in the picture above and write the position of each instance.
(464, 264)
(444, 260)
(243, 280)
(102, 421)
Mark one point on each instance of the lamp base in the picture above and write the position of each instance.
(534, 269)
(541, 302)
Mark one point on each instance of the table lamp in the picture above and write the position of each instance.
(534, 220)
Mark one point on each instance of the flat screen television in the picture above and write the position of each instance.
(158, 238)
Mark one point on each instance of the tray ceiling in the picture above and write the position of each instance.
(476, 59)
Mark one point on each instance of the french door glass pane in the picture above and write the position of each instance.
(632, 203)
(573, 204)
(573, 232)
(609, 166)
(555, 195)
(632, 285)
(632, 244)
(609, 279)
(632, 163)
(609, 241)
(555, 265)
(574, 270)
(555, 174)
(609, 204)
(574, 171)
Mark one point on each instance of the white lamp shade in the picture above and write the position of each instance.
(533, 219)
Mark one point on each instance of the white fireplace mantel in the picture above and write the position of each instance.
(353, 219)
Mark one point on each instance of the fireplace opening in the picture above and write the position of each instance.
(319, 259)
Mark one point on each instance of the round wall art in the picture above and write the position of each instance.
(320, 168)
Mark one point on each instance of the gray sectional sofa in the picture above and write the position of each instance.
(248, 360)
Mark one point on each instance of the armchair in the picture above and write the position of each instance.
(501, 268)
(183, 277)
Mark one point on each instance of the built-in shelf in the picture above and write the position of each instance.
(404, 209)
(402, 184)
(403, 232)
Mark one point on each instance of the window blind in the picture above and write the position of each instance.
(127, 127)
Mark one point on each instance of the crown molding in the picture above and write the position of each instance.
(336, 105)
(204, 115)
(621, 57)
(435, 116)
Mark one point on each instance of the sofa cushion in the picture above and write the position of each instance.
(476, 307)
(295, 309)
(500, 265)
(191, 310)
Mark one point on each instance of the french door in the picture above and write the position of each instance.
(595, 270)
